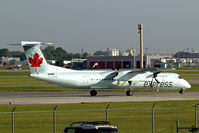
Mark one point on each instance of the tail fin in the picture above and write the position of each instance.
(36, 60)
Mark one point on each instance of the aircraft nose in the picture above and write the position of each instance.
(187, 85)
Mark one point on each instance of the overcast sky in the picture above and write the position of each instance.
(169, 25)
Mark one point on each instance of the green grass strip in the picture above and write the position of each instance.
(127, 121)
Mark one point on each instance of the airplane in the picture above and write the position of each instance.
(98, 79)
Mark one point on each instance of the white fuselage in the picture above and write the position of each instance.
(103, 80)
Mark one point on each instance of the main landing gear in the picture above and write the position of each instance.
(93, 93)
(181, 91)
(129, 92)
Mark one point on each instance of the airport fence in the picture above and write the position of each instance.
(128, 120)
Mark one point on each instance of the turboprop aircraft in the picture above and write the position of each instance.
(98, 79)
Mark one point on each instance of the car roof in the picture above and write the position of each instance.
(83, 126)
(92, 125)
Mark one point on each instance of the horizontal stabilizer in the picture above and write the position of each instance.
(30, 43)
(34, 43)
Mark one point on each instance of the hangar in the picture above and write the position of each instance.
(109, 62)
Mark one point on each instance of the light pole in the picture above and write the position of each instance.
(153, 108)
(196, 114)
(107, 108)
(140, 31)
(13, 124)
(54, 119)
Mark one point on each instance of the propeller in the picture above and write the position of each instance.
(155, 74)
(118, 67)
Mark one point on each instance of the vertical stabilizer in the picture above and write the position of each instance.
(36, 60)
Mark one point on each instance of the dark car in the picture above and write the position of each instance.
(91, 127)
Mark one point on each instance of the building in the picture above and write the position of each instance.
(78, 63)
(112, 52)
(109, 62)
(128, 52)
(193, 54)
(6, 61)
(74, 63)
(52, 62)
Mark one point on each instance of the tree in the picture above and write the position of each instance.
(77, 55)
(100, 53)
(85, 54)
(69, 56)
(18, 54)
(49, 52)
(4, 52)
(60, 53)
(59, 62)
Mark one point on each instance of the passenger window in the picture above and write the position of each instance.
(179, 77)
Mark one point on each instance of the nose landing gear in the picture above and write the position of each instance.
(181, 91)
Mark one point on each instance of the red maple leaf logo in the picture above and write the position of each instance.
(35, 61)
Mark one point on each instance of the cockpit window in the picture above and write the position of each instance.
(179, 77)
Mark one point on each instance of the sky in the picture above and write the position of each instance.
(169, 25)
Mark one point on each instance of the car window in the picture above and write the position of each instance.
(90, 131)
(80, 130)
(107, 130)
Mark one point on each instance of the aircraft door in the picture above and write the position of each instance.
(85, 80)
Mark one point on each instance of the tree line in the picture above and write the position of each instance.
(50, 53)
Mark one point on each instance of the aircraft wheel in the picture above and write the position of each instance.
(93, 92)
(128, 93)
(181, 91)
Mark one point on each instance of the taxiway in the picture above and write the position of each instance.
(68, 97)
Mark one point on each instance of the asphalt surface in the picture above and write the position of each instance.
(68, 97)
(193, 81)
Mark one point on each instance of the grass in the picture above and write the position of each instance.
(14, 73)
(127, 121)
(194, 87)
(188, 68)
(190, 76)
(185, 72)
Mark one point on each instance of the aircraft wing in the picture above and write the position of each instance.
(111, 74)
(124, 76)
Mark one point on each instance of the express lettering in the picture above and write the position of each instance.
(155, 84)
